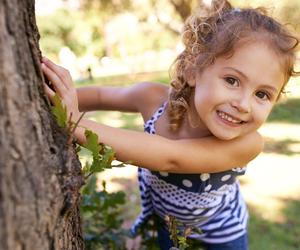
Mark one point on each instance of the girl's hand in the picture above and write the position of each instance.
(63, 85)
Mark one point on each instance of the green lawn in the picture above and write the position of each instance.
(269, 235)
(287, 112)
(281, 232)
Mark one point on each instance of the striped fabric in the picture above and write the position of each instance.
(210, 202)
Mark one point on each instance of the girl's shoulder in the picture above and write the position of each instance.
(151, 96)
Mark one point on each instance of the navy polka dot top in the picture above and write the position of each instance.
(209, 201)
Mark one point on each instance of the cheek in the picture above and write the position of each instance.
(262, 114)
(202, 101)
(206, 95)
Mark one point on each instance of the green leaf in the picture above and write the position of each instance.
(105, 161)
(59, 110)
(92, 143)
(90, 186)
(114, 199)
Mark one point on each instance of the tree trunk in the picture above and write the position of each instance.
(40, 174)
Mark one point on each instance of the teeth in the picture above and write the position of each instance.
(228, 118)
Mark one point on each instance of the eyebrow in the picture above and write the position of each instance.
(239, 72)
(266, 86)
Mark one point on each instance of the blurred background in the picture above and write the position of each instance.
(119, 42)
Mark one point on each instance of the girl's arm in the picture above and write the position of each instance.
(126, 99)
(203, 155)
(105, 98)
(153, 151)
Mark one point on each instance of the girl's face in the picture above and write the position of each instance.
(235, 95)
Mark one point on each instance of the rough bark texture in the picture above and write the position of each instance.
(39, 173)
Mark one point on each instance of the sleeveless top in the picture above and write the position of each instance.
(211, 202)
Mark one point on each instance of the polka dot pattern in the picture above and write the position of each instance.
(177, 195)
(241, 170)
(204, 177)
(165, 174)
(187, 183)
(226, 177)
(149, 125)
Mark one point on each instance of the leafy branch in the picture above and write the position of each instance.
(179, 239)
(59, 111)
(102, 155)
(102, 230)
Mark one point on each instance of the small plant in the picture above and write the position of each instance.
(181, 240)
(148, 234)
(101, 217)
(101, 211)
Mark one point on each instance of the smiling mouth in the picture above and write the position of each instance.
(229, 118)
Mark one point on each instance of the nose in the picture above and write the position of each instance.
(242, 104)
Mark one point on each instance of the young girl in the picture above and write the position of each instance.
(201, 131)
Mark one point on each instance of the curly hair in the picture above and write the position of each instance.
(216, 31)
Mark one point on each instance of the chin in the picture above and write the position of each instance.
(225, 137)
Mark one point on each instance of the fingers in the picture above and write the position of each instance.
(61, 72)
(49, 92)
(54, 79)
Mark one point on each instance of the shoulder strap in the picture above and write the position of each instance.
(150, 123)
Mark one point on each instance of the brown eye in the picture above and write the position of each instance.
(232, 81)
(262, 95)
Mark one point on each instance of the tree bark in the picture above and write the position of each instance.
(40, 174)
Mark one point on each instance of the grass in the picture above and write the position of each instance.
(288, 111)
(279, 233)
(269, 235)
